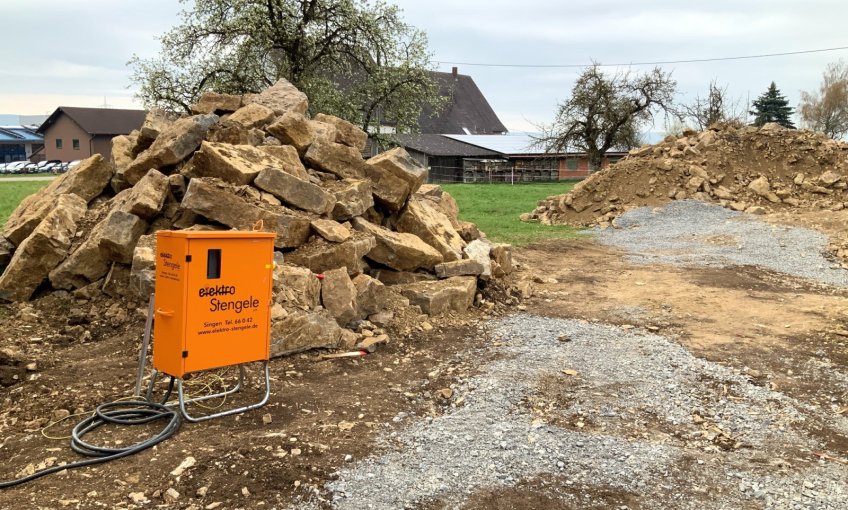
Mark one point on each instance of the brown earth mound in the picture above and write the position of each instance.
(746, 169)
(770, 169)
(357, 241)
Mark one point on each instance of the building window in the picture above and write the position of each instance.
(75, 143)
(571, 164)
(58, 143)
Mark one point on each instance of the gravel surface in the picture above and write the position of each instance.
(606, 407)
(688, 232)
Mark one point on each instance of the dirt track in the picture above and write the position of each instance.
(760, 344)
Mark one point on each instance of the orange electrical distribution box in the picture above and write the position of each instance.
(213, 298)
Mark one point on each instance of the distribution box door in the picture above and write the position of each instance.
(228, 301)
(170, 318)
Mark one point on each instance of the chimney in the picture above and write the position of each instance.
(454, 71)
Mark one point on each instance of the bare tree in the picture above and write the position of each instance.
(357, 59)
(717, 106)
(826, 110)
(606, 111)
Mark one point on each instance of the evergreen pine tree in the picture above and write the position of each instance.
(772, 106)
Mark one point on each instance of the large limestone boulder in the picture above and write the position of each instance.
(353, 198)
(320, 255)
(480, 250)
(87, 180)
(85, 265)
(432, 226)
(332, 231)
(212, 102)
(340, 160)
(218, 202)
(253, 116)
(296, 286)
(399, 251)
(147, 197)
(28, 215)
(346, 133)
(501, 255)
(293, 129)
(295, 192)
(390, 277)
(300, 331)
(372, 296)
(282, 97)
(338, 295)
(442, 296)
(122, 152)
(465, 267)
(324, 130)
(143, 270)
(45, 248)
(173, 145)
(119, 235)
(762, 187)
(233, 133)
(288, 160)
(395, 176)
(443, 200)
(237, 164)
(155, 122)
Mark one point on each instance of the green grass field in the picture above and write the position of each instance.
(11, 194)
(495, 209)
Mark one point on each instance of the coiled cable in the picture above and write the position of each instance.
(132, 412)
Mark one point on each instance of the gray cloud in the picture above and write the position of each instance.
(75, 51)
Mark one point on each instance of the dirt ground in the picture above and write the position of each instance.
(325, 414)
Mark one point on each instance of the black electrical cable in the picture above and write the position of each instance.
(131, 412)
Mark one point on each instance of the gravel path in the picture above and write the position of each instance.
(640, 415)
(30, 178)
(689, 232)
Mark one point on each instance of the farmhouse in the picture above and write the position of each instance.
(514, 157)
(72, 133)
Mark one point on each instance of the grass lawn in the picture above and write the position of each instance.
(11, 194)
(495, 209)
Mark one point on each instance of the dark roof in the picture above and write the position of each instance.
(438, 145)
(99, 121)
(467, 109)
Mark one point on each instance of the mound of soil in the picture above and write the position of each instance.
(744, 169)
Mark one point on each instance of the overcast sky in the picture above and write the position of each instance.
(74, 52)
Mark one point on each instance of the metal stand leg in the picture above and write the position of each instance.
(149, 395)
(142, 357)
(183, 401)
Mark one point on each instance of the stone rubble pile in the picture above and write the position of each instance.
(357, 240)
(749, 169)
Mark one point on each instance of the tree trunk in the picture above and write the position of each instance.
(595, 160)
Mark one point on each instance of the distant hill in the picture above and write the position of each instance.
(12, 119)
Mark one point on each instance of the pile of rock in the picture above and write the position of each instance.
(744, 169)
(355, 238)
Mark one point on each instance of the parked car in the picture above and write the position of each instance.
(50, 165)
(61, 168)
(3, 168)
(16, 167)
